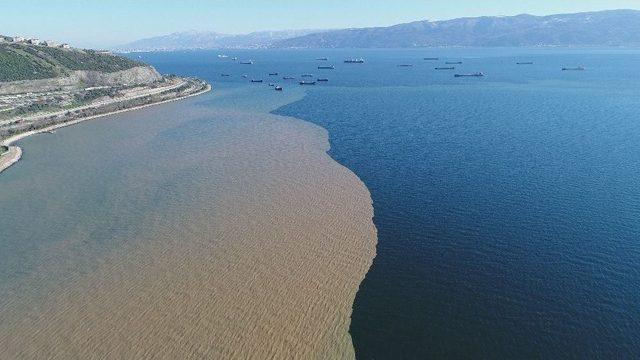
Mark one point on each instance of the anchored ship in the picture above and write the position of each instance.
(478, 74)
(578, 68)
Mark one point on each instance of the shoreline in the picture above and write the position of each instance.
(10, 157)
(5, 164)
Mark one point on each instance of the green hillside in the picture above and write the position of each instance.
(30, 62)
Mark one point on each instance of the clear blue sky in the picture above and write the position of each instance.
(101, 23)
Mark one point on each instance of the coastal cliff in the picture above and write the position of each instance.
(138, 75)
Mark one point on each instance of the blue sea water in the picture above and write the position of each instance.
(507, 207)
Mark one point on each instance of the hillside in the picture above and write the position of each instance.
(603, 28)
(192, 40)
(19, 61)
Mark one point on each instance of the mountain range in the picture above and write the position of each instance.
(192, 40)
(602, 28)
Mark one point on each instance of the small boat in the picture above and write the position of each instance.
(250, 62)
(445, 68)
(322, 59)
(225, 75)
(234, 58)
(278, 88)
(272, 84)
(431, 58)
(256, 81)
(525, 63)
(288, 78)
(354, 61)
(273, 74)
(329, 67)
(307, 82)
(323, 80)
(478, 74)
(453, 62)
(222, 56)
(578, 68)
(405, 65)
(306, 75)
(245, 76)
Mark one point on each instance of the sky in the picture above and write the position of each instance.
(105, 23)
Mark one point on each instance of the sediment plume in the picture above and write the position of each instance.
(265, 264)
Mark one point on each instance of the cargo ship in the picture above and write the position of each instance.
(478, 74)
(578, 68)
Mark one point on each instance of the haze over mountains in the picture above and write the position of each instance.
(602, 28)
(192, 40)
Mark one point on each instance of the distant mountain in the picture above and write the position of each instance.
(603, 28)
(191, 40)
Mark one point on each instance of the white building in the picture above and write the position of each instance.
(65, 46)
(17, 39)
(50, 43)
(34, 41)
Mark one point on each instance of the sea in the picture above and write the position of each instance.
(507, 206)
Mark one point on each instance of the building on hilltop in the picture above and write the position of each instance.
(33, 41)
(17, 39)
(65, 46)
(50, 43)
